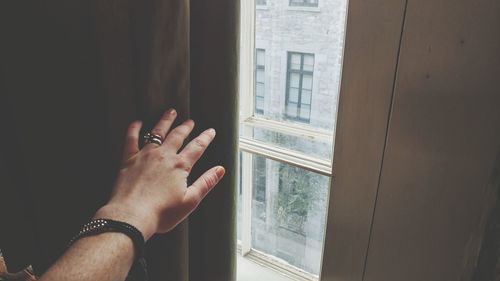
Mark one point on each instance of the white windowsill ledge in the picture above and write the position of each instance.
(248, 270)
(261, 7)
(257, 264)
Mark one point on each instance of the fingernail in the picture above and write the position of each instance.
(211, 131)
(220, 171)
(171, 111)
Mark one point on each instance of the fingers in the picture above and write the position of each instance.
(163, 126)
(176, 137)
(202, 186)
(194, 149)
(131, 146)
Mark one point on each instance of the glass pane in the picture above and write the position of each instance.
(291, 109)
(261, 57)
(308, 62)
(259, 90)
(305, 112)
(307, 82)
(291, 225)
(293, 95)
(294, 80)
(295, 61)
(259, 104)
(306, 97)
(259, 76)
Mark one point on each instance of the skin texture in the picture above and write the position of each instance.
(150, 193)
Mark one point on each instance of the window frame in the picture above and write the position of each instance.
(250, 147)
(359, 143)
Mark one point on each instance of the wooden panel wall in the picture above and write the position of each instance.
(371, 52)
(436, 186)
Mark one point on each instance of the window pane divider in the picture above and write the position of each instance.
(297, 159)
(290, 128)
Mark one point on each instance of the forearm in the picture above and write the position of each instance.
(104, 257)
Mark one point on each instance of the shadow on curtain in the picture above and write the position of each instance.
(73, 75)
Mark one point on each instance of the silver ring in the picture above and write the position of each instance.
(153, 138)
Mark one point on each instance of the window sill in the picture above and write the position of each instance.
(304, 9)
(259, 264)
(262, 7)
(250, 271)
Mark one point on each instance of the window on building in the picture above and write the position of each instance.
(240, 195)
(259, 179)
(259, 203)
(286, 151)
(261, 2)
(304, 3)
(299, 86)
(260, 80)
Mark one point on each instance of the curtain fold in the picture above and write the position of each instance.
(214, 103)
(144, 50)
(73, 76)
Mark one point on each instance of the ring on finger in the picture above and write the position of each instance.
(153, 138)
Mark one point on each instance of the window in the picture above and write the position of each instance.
(261, 2)
(260, 80)
(286, 148)
(304, 3)
(299, 86)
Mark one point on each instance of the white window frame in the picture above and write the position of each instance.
(366, 94)
(252, 147)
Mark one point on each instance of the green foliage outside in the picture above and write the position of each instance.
(299, 192)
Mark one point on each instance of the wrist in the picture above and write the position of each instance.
(144, 222)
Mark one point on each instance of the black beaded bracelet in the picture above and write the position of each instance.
(97, 226)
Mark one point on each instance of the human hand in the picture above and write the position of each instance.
(151, 191)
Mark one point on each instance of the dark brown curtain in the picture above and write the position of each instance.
(73, 75)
